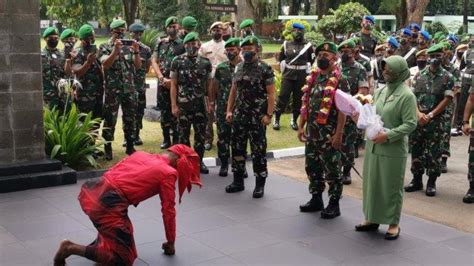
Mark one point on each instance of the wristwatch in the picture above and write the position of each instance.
(430, 115)
(465, 122)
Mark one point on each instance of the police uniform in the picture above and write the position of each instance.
(406, 50)
(368, 41)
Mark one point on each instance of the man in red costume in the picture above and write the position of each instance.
(133, 180)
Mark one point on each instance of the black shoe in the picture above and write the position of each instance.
(204, 169)
(415, 185)
(293, 124)
(207, 146)
(276, 125)
(224, 169)
(469, 197)
(332, 210)
(346, 179)
(108, 151)
(456, 132)
(97, 153)
(124, 144)
(236, 186)
(367, 227)
(389, 236)
(130, 149)
(138, 141)
(166, 139)
(315, 204)
(245, 175)
(431, 187)
(444, 165)
(259, 188)
(165, 145)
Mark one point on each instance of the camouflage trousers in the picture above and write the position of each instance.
(426, 148)
(141, 105)
(211, 118)
(290, 88)
(446, 118)
(461, 100)
(88, 102)
(322, 164)
(470, 174)
(198, 121)
(115, 97)
(255, 133)
(224, 134)
(52, 99)
(349, 142)
(167, 119)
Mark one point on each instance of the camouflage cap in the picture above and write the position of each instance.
(346, 44)
(250, 40)
(189, 23)
(67, 33)
(191, 37)
(232, 42)
(50, 31)
(85, 31)
(171, 20)
(246, 23)
(118, 23)
(327, 47)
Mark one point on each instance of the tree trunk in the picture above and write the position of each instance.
(294, 7)
(415, 10)
(307, 7)
(322, 8)
(402, 18)
(464, 18)
(130, 10)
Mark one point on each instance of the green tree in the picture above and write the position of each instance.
(72, 13)
(342, 21)
(155, 12)
(108, 10)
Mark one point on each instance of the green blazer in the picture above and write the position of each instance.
(397, 109)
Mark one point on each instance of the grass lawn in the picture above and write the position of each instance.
(271, 47)
(152, 138)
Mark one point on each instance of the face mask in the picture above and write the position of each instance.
(217, 36)
(414, 35)
(298, 36)
(323, 63)
(390, 51)
(459, 54)
(403, 41)
(192, 50)
(346, 57)
(52, 43)
(225, 37)
(172, 32)
(248, 56)
(231, 56)
(421, 63)
(69, 44)
(368, 27)
(120, 35)
(435, 62)
(137, 37)
(248, 32)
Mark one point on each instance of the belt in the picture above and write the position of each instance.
(468, 76)
(300, 67)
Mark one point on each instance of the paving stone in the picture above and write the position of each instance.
(464, 243)
(385, 259)
(436, 254)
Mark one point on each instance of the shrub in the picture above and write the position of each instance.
(150, 37)
(289, 26)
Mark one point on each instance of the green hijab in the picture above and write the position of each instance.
(399, 69)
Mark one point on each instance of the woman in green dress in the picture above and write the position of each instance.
(386, 155)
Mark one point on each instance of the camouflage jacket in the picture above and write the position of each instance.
(93, 80)
(431, 88)
(53, 69)
(366, 64)
(251, 80)
(121, 74)
(165, 51)
(356, 76)
(192, 75)
(455, 72)
(140, 75)
(224, 75)
(368, 43)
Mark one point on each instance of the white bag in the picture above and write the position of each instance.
(346, 103)
(370, 121)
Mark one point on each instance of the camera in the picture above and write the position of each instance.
(127, 42)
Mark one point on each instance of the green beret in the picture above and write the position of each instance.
(346, 44)
(50, 31)
(171, 20)
(327, 46)
(136, 27)
(67, 33)
(191, 37)
(118, 23)
(232, 42)
(85, 31)
(439, 35)
(246, 23)
(446, 45)
(437, 48)
(189, 23)
(250, 40)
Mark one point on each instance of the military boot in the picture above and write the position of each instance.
(166, 139)
(332, 210)
(469, 197)
(259, 187)
(237, 185)
(315, 204)
(108, 151)
(294, 122)
(431, 186)
(276, 122)
(175, 137)
(130, 149)
(204, 169)
(138, 141)
(224, 167)
(415, 184)
(245, 175)
(444, 164)
(346, 175)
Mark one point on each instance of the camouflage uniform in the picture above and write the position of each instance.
(119, 90)
(470, 174)
(447, 115)
(411, 60)
(224, 74)
(251, 104)
(430, 89)
(140, 75)
(356, 77)
(53, 70)
(165, 51)
(90, 97)
(192, 74)
(467, 73)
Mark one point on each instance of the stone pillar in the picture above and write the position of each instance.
(21, 102)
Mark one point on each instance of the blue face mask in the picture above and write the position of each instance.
(248, 56)
(231, 56)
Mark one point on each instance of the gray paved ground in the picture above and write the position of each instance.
(215, 228)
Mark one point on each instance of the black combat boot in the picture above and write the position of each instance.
(294, 121)
(237, 185)
(130, 149)
(175, 137)
(245, 175)
(415, 184)
(346, 175)
(224, 167)
(138, 141)
(469, 197)
(431, 186)
(108, 151)
(166, 139)
(332, 210)
(444, 164)
(203, 169)
(315, 204)
(276, 123)
(259, 187)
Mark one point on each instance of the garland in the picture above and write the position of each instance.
(328, 95)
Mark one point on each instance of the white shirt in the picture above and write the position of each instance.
(215, 52)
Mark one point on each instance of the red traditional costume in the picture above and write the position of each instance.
(133, 180)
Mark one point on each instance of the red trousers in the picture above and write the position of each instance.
(108, 210)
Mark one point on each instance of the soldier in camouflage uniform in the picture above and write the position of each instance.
(433, 88)
(164, 53)
(190, 83)
(323, 132)
(356, 77)
(368, 40)
(294, 74)
(68, 38)
(54, 67)
(136, 31)
(119, 63)
(468, 112)
(250, 110)
(88, 70)
(467, 73)
(223, 82)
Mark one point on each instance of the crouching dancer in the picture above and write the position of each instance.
(133, 180)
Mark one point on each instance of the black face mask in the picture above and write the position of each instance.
(52, 43)
(403, 41)
(217, 36)
(414, 35)
(435, 62)
(192, 50)
(120, 35)
(298, 36)
(248, 32)
(231, 56)
(172, 32)
(421, 64)
(323, 63)
(346, 57)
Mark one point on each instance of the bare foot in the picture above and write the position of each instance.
(62, 253)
